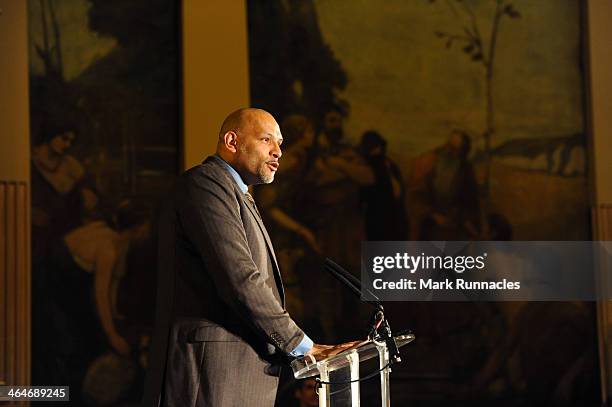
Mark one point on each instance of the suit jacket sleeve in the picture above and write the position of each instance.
(209, 214)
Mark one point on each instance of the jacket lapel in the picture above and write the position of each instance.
(255, 213)
(262, 227)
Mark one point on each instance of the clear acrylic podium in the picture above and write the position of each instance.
(339, 374)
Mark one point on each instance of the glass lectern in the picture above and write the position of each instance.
(339, 374)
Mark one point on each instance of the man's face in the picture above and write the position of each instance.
(258, 150)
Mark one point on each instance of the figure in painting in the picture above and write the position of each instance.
(338, 174)
(60, 200)
(445, 199)
(60, 196)
(83, 274)
(383, 202)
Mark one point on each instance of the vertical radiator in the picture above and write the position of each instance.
(14, 283)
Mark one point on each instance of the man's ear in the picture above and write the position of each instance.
(230, 139)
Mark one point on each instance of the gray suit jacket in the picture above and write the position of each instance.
(221, 324)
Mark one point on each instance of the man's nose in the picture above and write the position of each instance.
(276, 151)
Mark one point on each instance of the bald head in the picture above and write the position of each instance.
(243, 119)
(249, 140)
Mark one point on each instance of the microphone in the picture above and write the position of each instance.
(352, 282)
(378, 326)
(336, 267)
(343, 276)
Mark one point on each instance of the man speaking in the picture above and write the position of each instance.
(222, 329)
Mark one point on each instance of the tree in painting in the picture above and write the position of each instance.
(292, 68)
(474, 46)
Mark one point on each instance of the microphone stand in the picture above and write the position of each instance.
(378, 328)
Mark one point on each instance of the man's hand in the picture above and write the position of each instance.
(320, 352)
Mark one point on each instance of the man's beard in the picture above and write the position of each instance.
(263, 176)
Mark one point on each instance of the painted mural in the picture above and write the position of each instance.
(105, 131)
(431, 120)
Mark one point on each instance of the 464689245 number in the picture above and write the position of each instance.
(34, 393)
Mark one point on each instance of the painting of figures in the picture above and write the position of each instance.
(430, 120)
(105, 147)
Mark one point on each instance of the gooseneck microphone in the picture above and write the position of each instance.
(352, 282)
(378, 328)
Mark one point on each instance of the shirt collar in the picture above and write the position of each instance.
(241, 184)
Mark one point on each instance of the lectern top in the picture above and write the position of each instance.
(304, 367)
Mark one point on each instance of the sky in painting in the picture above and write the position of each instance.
(80, 46)
(406, 84)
